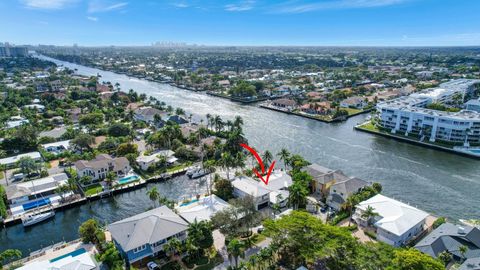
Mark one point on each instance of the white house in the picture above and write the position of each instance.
(264, 194)
(146, 162)
(99, 167)
(203, 209)
(245, 186)
(397, 223)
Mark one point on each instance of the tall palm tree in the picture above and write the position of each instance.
(284, 156)
(153, 195)
(297, 195)
(369, 214)
(267, 158)
(235, 249)
(238, 122)
(218, 122)
(209, 119)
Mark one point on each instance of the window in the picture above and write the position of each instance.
(140, 248)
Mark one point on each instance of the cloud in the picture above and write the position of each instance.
(47, 4)
(241, 6)
(302, 7)
(181, 5)
(101, 6)
(93, 19)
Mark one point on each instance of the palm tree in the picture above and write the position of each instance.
(153, 195)
(267, 158)
(235, 250)
(369, 214)
(110, 178)
(218, 123)
(284, 156)
(445, 257)
(238, 122)
(298, 195)
(172, 247)
(227, 161)
(209, 119)
(463, 250)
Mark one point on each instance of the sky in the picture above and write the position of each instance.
(242, 22)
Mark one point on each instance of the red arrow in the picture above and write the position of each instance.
(260, 162)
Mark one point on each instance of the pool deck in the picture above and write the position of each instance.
(57, 250)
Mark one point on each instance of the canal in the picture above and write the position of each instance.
(441, 183)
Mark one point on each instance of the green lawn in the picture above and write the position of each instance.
(93, 189)
(352, 111)
(257, 238)
(179, 167)
(369, 126)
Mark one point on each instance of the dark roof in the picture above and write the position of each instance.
(449, 237)
(471, 264)
(324, 175)
(177, 119)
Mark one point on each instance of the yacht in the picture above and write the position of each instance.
(199, 173)
(37, 218)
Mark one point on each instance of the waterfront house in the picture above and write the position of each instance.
(323, 178)
(99, 167)
(450, 237)
(11, 162)
(202, 209)
(57, 147)
(279, 182)
(340, 191)
(396, 223)
(141, 237)
(79, 259)
(25, 196)
(320, 108)
(147, 114)
(178, 119)
(284, 103)
(353, 102)
(145, 162)
(245, 186)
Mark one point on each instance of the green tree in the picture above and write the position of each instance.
(235, 249)
(463, 250)
(200, 235)
(153, 195)
(83, 141)
(412, 259)
(284, 156)
(369, 214)
(27, 165)
(9, 255)
(297, 196)
(88, 231)
(118, 130)
(224, 189)
(172, 248)
(127, 148)
(445, 257)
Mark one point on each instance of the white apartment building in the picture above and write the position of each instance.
(408, 115)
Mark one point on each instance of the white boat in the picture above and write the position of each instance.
(199, 173)
(191, 171)
(37, 218)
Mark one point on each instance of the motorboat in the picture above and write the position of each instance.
(199, 173)
(191, 171)
(37, 218)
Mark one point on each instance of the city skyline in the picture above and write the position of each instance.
(242, 23)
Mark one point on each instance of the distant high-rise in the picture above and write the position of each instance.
(6, 50)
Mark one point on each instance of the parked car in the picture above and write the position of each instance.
(18, 177)
(152, 266)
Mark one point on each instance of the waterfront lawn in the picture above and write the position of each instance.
(370, 126)
(93, 189)
(352, 111)
(179, 167)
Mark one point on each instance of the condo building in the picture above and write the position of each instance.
(409, 115)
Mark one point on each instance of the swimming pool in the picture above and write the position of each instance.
(36, 204)
(128, 179)
(74, 253)
(190, 202)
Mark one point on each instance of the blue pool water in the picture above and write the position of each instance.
(128, 179)
(476, 151)
(36, 204)
(190, 202)
(73, 254)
